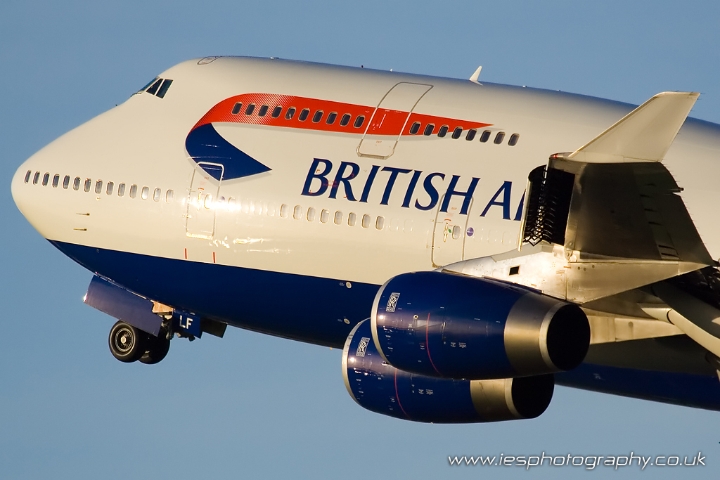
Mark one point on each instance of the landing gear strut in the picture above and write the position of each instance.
(129, 344)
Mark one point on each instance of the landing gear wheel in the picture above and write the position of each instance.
(126, 342)
(157, 348)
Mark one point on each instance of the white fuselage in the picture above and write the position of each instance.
(264, 221)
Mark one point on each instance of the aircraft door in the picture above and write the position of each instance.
(203, 192)
(389, 119)
(448, 241)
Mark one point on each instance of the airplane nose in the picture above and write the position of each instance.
(29, 190)
(23, 176)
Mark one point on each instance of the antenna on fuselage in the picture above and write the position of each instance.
(474, 77)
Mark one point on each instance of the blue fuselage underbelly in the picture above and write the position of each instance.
(323, 311)
(315, 310)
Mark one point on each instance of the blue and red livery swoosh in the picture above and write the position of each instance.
(205, 144)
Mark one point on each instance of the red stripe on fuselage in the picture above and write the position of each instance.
(384, 122)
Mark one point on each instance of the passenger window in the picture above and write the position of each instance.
(365, 221)
(456, 232)
(352, 218)
(290, 113)
(324, 216)
(207, 203)
(443, 131)
(345, 120)
(156, 194)
(304, 114)
(331, 118)
(169, 197)
(499, 138)
(46, 178)
(415, 128)
(310, 214)
(88, 184)
(27, 176)
(110, 186)
(98, 186)
(297, 212)
(66, 182)
(359, 121)
(457, 132)
(250, 109)
(379, 223)
(513, 139)
(236, 109)
(146, 193)
(263, 111)
(56, 180)
(276, 111)
(429, 129)
(36, 178)
(76, 183)
(133, 191)
(318, 116)
(283, 210)
(338, 218)
(471, 134)
(164, 88)
(485, 136)
(121, 190)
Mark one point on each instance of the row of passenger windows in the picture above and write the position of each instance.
(98, 187)
(458, 131)
(298, 213)
(304, 114)
(330, 119)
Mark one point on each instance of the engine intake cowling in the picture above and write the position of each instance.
(455, 326)
(382, 388)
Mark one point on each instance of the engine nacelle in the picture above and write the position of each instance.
(455, 326)
(382, 388)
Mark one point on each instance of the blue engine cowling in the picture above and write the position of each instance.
(455, 326)
(382, 388)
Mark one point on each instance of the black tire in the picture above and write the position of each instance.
(157, 349)
(126, 342)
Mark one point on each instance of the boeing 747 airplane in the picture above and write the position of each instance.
(469, 244)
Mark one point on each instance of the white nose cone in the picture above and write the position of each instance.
(33, 199)
(19, 188)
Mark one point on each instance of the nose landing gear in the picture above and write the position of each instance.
(129, 344)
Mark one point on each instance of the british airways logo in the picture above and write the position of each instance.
(420, 190)
(205, 144)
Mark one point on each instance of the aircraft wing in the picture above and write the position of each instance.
(608, 218)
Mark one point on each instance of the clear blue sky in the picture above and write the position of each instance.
(251, 406)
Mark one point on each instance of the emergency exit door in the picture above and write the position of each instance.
(389, 119)
(448, 244)
(203, 193)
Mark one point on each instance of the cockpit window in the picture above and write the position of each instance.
(158, 87)
(148, 84)
(154, 87)
(164, 88)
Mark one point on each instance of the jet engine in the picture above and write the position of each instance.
(382, 388)
(455, 326)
